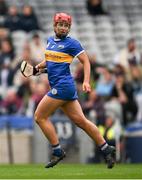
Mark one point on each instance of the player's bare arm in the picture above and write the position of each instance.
(41, 65)
(83, 58)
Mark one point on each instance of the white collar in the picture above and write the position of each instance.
(58, 39)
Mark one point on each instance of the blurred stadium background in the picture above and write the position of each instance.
(111, 33)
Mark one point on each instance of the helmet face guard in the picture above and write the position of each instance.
(62, 17)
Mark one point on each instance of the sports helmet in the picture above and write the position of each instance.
(59, 17)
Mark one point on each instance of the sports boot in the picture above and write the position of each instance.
(55, 160)
(109, 155)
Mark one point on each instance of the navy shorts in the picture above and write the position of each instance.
(65, 92)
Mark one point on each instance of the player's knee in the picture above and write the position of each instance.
(37, 117)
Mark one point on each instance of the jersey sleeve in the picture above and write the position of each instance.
(76, 48)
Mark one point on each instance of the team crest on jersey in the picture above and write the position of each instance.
(61, 46)
(54, 91)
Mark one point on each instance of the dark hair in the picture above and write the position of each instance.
(36, 35)
(119, 70)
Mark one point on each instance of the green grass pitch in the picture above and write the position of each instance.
(71, 171)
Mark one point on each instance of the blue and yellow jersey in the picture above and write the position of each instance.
(58, 55)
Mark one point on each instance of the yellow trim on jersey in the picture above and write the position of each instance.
(59, 57)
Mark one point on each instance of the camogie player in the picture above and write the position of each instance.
(60, 52)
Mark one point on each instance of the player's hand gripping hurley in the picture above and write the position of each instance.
(29, 70)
